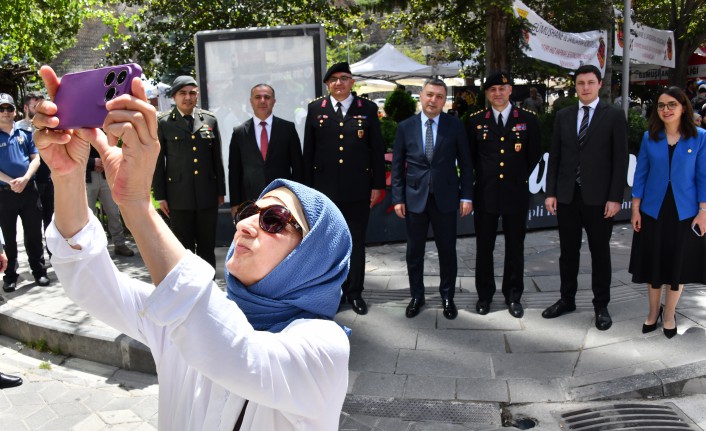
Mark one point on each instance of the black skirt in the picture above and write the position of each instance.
(666, 250)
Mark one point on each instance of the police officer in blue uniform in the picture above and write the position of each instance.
(344, 158)
(189, 180)
(19, 161)
(505, 147)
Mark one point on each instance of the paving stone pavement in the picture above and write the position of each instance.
(426, 373)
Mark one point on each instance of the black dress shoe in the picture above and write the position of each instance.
(515, 308)
(9, 286)
(603, 320)
(42, 280)
(482, 307)
(7, 381)
(560, 307)
(649, 328)
(359, 306)
(669, 333)
(414, 306)
(450, 310)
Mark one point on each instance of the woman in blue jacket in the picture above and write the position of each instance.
(669, 208)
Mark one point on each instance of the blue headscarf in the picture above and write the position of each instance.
(307, 283)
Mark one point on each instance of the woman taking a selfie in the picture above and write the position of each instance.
(266, 356)
(669, 208)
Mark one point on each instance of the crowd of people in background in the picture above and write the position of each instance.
(441, 168)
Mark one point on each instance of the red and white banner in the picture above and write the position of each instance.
(569, 50)
(646, 44)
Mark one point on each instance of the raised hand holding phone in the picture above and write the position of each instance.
(81, 98)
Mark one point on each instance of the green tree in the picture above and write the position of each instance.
(686, 19)
(33, 32)
(160, 36)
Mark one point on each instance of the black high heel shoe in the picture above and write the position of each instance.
(649, 328)
(669, 333)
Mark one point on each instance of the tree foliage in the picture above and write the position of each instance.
(160, 36)
(686, 19)
(33, 32)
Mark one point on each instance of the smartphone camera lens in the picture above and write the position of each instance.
(121, 77)
(110, 94)
(109, 78)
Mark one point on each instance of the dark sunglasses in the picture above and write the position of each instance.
(273, 219)
(7, 109)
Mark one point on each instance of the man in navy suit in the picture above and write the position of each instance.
(262, 149)
(586, 177)
(432, 144)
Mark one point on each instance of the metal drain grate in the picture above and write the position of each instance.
(628, 417)
(423, 410)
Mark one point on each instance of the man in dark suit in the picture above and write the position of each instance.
(189, 180)
(262, 149)
(505, 147)
(431, 144)
(344, 158)
(586, 177)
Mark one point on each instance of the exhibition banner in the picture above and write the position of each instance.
(646, 44)
(569, 50)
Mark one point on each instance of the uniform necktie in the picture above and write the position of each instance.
(263, 140)
(583, 131)
(500, 121)
(429, 141)
(189, 122)
(339, 111)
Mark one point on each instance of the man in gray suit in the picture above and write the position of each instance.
(586, 177)
(429, 190)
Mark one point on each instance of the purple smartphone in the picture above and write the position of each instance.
(81, 97)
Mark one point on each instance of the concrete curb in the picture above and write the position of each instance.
(669, 382)
(106, 346)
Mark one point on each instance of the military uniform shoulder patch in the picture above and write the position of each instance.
(205, 112)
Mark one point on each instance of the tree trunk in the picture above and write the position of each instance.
(496, 40)
(683, 51)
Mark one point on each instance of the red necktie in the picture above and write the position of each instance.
(263, 140)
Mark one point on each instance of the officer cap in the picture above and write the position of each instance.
(497, 78)
(181, 82)
(338, 67)
(6, 99)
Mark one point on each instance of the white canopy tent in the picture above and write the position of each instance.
(390, 64)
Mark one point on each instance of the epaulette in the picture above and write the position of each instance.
(477, 112)
(205, 112)
(530, 111)
(161, 115)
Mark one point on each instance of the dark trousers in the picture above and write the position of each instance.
(27, 207)
(196, 230)
(444, 226)
(357, 214)
(514, 227)
(46, 197)
(572, 218)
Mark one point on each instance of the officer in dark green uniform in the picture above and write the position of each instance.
(189, 180)
(505, 147)
(344, 158)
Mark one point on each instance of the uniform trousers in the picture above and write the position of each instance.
(444, 227)
(357, 214)
(572, 217)
(27, 207)
(196, 230)
(98, 189)
(514, 228)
